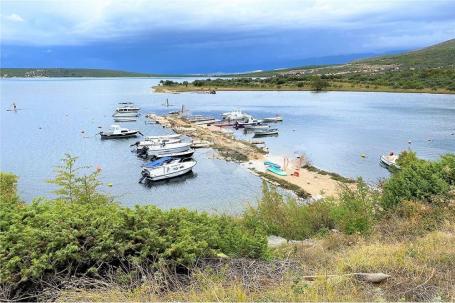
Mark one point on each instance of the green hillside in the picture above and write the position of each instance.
(439, 55)
(66, 72)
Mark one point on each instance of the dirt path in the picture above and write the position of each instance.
(308, 181)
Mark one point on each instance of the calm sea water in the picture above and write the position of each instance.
(333, 129)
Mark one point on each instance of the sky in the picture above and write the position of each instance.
(209, 36)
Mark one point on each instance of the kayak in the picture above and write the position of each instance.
(276, 170)
(268, 163)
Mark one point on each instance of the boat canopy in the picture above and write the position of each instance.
(158, 162)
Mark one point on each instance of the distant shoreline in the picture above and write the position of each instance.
(207, 89)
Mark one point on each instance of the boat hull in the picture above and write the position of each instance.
(185, 154)
(120, 115)
(276, 170)
(168, 171)
(118, 136)
(264, 134)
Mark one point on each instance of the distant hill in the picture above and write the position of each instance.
(439, 55)
(66, 72)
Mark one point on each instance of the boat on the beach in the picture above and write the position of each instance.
(200, 144)
(166, 168)
(277, 118)
(164, 149)
(201, 120)
(118, 132)
(389, 160)
(274, 168)
(265, 132)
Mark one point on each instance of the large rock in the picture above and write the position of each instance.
(371, 277)
(275, 241)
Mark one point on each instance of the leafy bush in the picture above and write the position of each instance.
(74, 235)
(354, 212)
(418, 180)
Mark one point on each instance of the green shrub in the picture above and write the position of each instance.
(417, 180)
(74, 235)
(447, 166)
(354, 212)
(407, 157)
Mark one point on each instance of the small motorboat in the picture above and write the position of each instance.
(163, 149)
(277, 118)
(125, 114)
(171, 136)
(257, 126)
(200, 144)
(186, 154)
(125, 119)
(266, 132)
(127, 107)
(390, 160)
(141, 144)
(274, 168)
(118, 132)
(236, 116)
(166, 168)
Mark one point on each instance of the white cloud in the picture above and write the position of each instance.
(14, 18)
(52, 22)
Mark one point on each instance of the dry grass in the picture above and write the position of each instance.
(421, 270)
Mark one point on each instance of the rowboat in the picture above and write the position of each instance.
(273, 119)
(277, 171)
(265, 132)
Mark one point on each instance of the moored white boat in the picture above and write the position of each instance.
(200, 144)
(125, 119)
(236, 115)
(118, 132)
(257, 126)
(277, 118)
(265, 132)
(164, 149)
(390, 160)
(166, 168)
(185, 154)
(171, 136)
(125, 114)
(141, 144)
(127, 107)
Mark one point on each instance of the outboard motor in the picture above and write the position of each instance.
(145, 174)
(143, 152)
